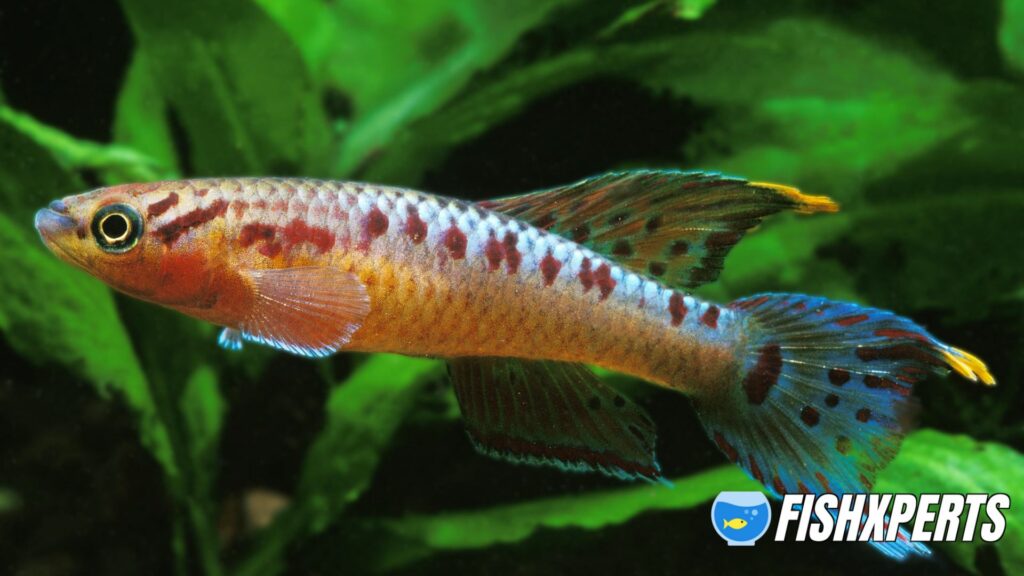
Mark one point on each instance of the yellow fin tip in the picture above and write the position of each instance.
(806, 204)
(969, 366)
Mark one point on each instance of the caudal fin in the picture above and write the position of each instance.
(824, 394)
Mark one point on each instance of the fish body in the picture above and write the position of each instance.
(735, 524)
(447, 278)
(520, 294)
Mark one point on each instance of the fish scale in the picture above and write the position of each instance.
(436, 315)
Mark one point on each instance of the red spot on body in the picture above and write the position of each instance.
(800, 486)
(298, 232)
(838, 376)
(182, 224)
(864, 414)
(158, 208)
(415, 227)
(376, 224)
(831, 400)
(494, 251)
(710, 317)
(581, 233)
(251, 233)
(586, 276)
(549, 268)
(677, 308)
(765, 374)
(657, 269)
(622, 248)
(603, 278)
(810, 416)
(799, 306)
(239, 207)
(455, 242)
(202, 192)
(851, 320)
(726, 447)
(270, 249)
(512, 256)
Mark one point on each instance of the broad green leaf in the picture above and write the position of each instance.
(116, 163)
(363, 414)
(52, 312)
(934, 462)
(403, 63)
(202, 409)
(414, 537)
(1011, 33)
(141, 116)
(238, 84)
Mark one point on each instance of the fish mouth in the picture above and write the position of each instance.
(54, 225)
(53, 220)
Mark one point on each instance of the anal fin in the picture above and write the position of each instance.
(553, 413)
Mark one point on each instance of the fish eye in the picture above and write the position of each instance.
(117, 228)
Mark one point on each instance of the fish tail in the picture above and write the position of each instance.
(822, 396)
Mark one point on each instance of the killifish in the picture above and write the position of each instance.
(519, 295)
(735, 523)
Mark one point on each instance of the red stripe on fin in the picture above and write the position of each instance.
(553, 413)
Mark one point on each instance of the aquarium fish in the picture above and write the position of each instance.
(520, 294)
(735, 523)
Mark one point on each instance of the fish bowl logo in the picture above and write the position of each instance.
(740, 518)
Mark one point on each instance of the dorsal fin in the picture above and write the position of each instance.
(675, 226)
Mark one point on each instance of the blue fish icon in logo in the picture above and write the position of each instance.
(740, 518)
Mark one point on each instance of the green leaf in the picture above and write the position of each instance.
(934, 462)
(202, 409)
(1011, 33)
(238, 84)
(413, 538)
(116, 163)
(53, 313)
(363, 414)
(402, 64)
(141, 116)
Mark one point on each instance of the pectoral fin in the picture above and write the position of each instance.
(309, 311)
(555, 414)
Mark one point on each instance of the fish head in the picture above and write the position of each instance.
(156, 242)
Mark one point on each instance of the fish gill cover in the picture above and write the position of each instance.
(181, 458)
